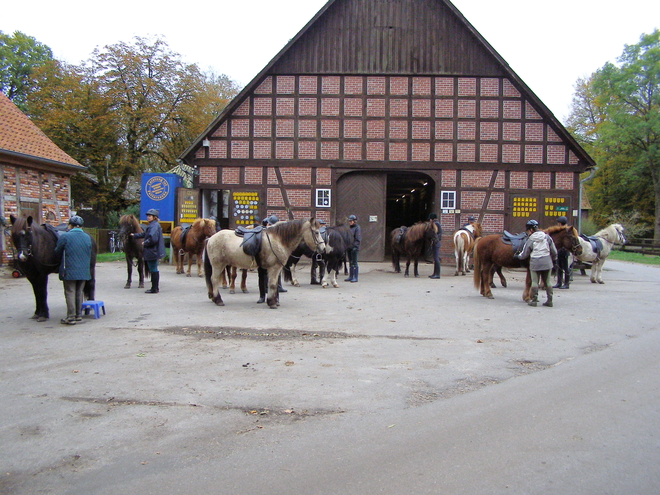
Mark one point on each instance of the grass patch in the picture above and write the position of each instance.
(106, 257)
(647, 259)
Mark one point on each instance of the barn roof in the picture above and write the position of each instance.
(21, 138)
(366, 37)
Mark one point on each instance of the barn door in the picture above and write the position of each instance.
(363, 195)
(544, 208)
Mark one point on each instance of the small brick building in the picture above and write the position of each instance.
(390, 111)
(34, 173)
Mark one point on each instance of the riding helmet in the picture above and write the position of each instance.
(153, 212)
(76, 220)
(532, 225)
(432, 216)
(562, 220)
(272, 220)
(352, 217)
(470, 218)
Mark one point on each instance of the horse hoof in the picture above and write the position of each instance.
(34, 317)
(336, 286)
(232, 292)
(200, 275)
(141, 286)
(127, 286)
(188, 275)
(490, 296)
(504, 284)
(41, 319)
(601, 282)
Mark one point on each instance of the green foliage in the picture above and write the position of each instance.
(19, 56)
(616, 116)
(113, 217)
(633, 228)
(588, 227)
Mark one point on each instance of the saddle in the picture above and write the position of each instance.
(400, 236)
(595, 242)
(469, 231)
(182, 237)
(55, 230)
(251, 239)
(517, 241)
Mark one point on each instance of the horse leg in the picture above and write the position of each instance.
(415, 270)
(213, 285)
(244, 273)
(292, 271)
(407, 267)
(324, 271)
(487, 279)
(459, 258)
(140, 270)
(179, 262)
(396, 262)
(40, 290)
(129, 269)
(232, 280)
(199, 264)
(314, 280)
(528, 288)
(273, 298)
(190, 262)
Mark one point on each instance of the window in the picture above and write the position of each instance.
(323, 198)
(448, 200)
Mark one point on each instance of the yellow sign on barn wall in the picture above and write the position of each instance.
(246, 206)
(555, 207)
(523, 207)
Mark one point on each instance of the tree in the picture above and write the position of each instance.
(616, 114)
(19, 56)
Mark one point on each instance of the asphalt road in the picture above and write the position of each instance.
(390, 385)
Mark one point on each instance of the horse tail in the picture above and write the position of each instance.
(286, 273)
(208, 268)
(476, 275)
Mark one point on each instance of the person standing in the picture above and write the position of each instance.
(563, 272)
(542, 253)
(262, 273)
(435, 245)
(354, 249)
(154, 248)
(75, 247)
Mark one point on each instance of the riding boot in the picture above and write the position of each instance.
(351, 275)
(436, 270)
(155, 277)
(548, 303)
(263, 288)
(279, 285)
(355, 274)
(560, 280)
(535, 297)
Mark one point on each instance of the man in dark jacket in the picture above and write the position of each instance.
(75, 247)
(353, 251)
(154, 248)
(435, 245)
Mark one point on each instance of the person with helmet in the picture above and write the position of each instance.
(435, 246)
(563, 271)
(470, 221)
(353, 251)
(542, 253)
(262, 273)
(75, 247)
(154, 248)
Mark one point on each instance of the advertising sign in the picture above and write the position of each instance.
(159, 191)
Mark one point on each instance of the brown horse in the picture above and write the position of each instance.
(132, 248)
(490, 250)
(411, 241)
(192, 243)
(464, 240)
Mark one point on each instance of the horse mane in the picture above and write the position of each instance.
(287, 231)
(611, 232)
(477, 229)
(417, 231)
(569, 229)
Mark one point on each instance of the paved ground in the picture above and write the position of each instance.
(134, 394)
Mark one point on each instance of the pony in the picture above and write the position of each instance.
(464, 240)
(411, 241)
(338, 240)
(490, 250)
(191, 241)
(35, 248)
(278, 242)
(611, 235)
(133, 248)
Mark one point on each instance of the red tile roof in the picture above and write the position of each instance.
(18, 134)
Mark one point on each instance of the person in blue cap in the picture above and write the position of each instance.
(154, 248)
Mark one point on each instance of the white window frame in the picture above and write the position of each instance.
(321, 196)
(450, 203)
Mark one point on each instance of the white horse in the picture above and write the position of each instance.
(609, 236)
(277, 244)
(464, 240)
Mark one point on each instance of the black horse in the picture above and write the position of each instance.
(337, 241)
(132, 248)
(35, 248)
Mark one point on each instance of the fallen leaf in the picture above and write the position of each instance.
(289, 363)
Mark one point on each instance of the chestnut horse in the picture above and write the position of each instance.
(35, 248)
(464, 240)
(491, 250)
(132, 248)
(192, 243)
(411, 241)
(278, 242)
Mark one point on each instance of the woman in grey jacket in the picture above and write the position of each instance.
(154, 248)
(542, 256)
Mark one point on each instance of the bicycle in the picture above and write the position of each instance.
(114, 242)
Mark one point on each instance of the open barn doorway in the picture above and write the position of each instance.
(409, 199)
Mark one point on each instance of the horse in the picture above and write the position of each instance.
(464, 240)
(411, 241)
(490, 250)
(278, 242)
(133, 248)
(35, 248)
(611, 235)
(191, 241)
(338, 240)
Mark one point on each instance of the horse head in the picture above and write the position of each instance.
(314, 227)
(208, 227)
(21, 236)
(574, 236)
(618, 228)
(477, 230)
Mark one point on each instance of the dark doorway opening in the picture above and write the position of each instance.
(410, 198)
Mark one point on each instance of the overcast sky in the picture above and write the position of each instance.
(548, 44)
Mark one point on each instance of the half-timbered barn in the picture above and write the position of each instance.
(34, 172)
(389, 110)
